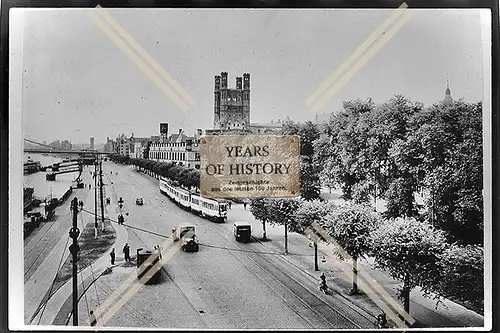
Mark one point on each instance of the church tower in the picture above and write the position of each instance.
(232, 106)
(447, 95)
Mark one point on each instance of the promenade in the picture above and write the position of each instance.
(422, 309)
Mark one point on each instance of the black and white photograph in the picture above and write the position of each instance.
(391, 227)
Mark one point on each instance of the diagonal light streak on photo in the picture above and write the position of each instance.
(111, 305)
(139, 62)
(149, 59)
(362, 48)
(366, 287)
(361, 62)
(367, 281)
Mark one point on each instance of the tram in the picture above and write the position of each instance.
(210, 209)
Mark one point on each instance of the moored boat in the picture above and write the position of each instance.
(31, 166)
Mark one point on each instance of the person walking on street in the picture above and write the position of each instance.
(158, 248)
(126, 252)
(245, 205)
(92, 318)
(229, 205)
(112, 255)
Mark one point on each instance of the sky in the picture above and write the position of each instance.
(78, 84)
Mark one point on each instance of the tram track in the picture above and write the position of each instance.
(166, 275)
(307, 305)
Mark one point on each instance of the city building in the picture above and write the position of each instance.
(447, 94)
(66, 145)
(177, 148)
(124, 145)
(91, 147)
(232, 109)
(110, 146)
(232, 106)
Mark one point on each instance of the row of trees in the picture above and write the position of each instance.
(392, 151)
(396, 149)
(180, 175)
(411, 251)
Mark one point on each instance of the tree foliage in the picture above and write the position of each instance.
(310, 185)
(395, 149)
(409, 251)
(311, 212)
(351, 226)
(462, 275)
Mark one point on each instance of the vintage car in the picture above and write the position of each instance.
(139, 201)
(185, 233)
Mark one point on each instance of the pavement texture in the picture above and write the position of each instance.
(425, 311)
(226, 284)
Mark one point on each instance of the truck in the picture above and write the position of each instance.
(148, 269)
(185, 233)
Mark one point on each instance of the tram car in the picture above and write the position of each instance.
(211, 209)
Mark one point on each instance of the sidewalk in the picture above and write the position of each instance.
(57, 301)
(38, 283)
(423, 310)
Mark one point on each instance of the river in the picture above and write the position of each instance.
(43, 187)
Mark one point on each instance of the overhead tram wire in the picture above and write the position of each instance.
(201, 244)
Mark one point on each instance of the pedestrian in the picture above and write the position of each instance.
(126, 252)
(90, 185)
(112, 255)
(92, 318)
(229, 204)
(159, 250)
(245, 205)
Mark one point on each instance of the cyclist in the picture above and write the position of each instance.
(382, 321)
(322, 284)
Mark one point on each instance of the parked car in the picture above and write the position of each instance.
(139, 201)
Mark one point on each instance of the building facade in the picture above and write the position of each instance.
(231, 106)
(232, 109)
(125, 146)
(91, 147)
(110, 146)
(177, 148)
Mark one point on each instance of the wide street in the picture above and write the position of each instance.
(225, 285)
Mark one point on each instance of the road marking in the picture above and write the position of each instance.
(383, 37)
(145, 66)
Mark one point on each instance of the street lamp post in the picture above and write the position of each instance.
(95, 198)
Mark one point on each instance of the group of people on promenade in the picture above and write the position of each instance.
(126, 253)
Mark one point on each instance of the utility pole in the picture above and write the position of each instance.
(316, 268)
(95, 197)
(74, 232)
(102, 202)
(286, 236)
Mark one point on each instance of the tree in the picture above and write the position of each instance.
(449, 140)
(174, 172)
(409, 251)
(308, 132)
(310, 186)
(351, 226)
(308, 213)
(260, 210)
(462, 275)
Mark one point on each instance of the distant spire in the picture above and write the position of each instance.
(447, 96)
